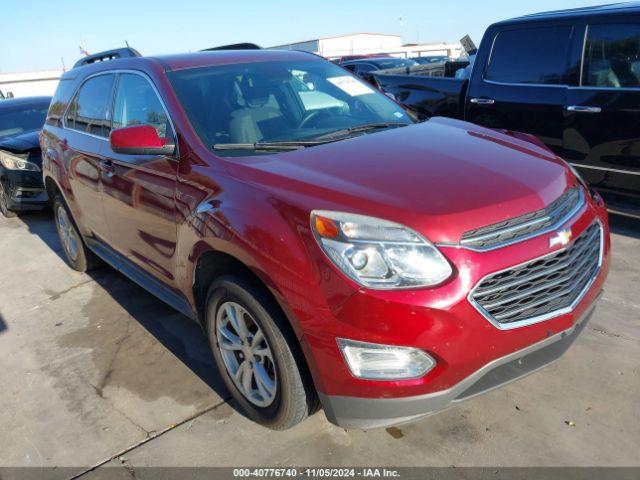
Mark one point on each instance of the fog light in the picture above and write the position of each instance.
(384, 362)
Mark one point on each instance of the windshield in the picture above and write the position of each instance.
(279, 101)
(22, 118)
(395, 63)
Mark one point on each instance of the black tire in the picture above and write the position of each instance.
(82, 259)
(4, 204)
(294, 397)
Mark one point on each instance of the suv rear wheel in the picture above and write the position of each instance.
(78, 256)
(257, 355)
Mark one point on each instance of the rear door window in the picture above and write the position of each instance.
(612, 56)
(529, 56)
(88, 110)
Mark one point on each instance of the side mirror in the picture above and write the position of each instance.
(140, 140)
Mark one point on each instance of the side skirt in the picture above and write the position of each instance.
(142, 278)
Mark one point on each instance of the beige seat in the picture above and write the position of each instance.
(250, 124)
(245, 123)
(602, 75)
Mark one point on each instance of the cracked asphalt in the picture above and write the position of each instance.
(97, 373)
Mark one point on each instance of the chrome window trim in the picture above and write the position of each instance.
(489, 58)
(115, 72)
(578, 207)
(584, 48)
(546, 316)
(607, 89)
(509, 84)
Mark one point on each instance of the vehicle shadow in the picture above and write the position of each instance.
(180, 335)
(622, 225)
(42, 224)
(183, 337)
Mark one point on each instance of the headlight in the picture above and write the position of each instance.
(11, 162)
(377, 253)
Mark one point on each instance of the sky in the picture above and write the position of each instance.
(42, 34)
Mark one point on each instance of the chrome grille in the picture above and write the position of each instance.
(525, 226)
(543, 287)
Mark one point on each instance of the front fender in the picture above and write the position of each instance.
(266, 236)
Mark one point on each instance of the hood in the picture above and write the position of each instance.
(21, 142)
(441, 178)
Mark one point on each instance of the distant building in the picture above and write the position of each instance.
(27, 84)
(369, 43)
(45, 82)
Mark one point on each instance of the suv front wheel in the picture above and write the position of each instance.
(257, 355)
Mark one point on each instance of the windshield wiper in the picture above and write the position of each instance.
(267, 146)
(362, 128)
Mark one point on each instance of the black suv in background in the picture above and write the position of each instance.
(570, 77)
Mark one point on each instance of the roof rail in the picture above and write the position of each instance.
(107, 55)
(235, 46)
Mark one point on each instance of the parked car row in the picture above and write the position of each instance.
(369, 67)
(572, 78)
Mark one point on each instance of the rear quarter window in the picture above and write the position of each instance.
(88, 110)
(59, 102)
(529, 56)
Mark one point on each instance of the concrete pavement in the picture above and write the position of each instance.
(95, 371)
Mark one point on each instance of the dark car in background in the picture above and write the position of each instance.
(570, 77)
(426, 60)
(365, 66)
(347, 58)
(21, 186)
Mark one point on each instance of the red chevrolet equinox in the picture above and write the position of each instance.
(335, 252)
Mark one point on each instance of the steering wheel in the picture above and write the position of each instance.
(309, 117)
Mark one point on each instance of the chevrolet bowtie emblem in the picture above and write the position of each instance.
(562, 238)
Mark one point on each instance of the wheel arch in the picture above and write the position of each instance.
(211, 263)
(52, 187)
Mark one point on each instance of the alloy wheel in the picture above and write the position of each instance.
(67, 233)
(246, 354)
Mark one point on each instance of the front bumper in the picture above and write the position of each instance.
(366, 413)
(25, 190)
(467, 347)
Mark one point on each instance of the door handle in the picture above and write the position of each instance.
(483, 101)
(583, 109)
(107, 168)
